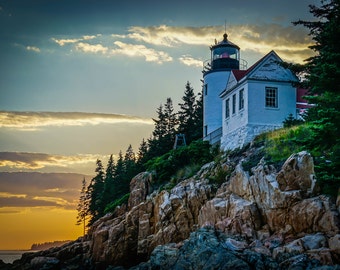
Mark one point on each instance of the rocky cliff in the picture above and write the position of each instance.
(259, 219)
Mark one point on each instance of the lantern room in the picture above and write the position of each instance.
(225, 55)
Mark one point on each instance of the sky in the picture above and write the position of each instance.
(81, 80)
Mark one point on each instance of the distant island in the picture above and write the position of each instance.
(47, 245)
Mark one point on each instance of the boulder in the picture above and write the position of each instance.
(334, 243)
(44, 263)
(297, 173)
(140, 187)
(231, 214)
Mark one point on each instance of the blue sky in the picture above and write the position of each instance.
(81, 80)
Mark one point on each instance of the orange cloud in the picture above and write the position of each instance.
(31, 121)
(33, 161)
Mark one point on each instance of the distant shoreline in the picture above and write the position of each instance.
(9, 256)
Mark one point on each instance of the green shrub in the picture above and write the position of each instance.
(219, 177)
(291, 121)
(280, 144)
(112, 206)
(252, 161)
(195, 155)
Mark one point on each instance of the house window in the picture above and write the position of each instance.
(205, 131)
(241, 100)
(227, 109)
(271, 97)
(205, 89)
(234, 103)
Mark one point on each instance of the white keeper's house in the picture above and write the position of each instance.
(241, 103)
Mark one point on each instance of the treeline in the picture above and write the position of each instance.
(321, 74)
(110, 186)
(47, 245)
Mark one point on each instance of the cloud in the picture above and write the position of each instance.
(25, 202)
(33, 120)
(90, 37)
(173, 35)
(289, 41)
(33, 48)
(89, 48)
(31, 189)
(9, 195)
(34, 161)
(190, 61)
(149, 54)
(62, 42)
(7, 211)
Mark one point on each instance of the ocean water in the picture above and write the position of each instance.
(9, 256)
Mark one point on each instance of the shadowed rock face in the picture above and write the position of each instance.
(166, 217)
(269, 220)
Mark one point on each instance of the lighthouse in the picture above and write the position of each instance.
(225, 56)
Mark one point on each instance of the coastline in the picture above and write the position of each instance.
(9, 256)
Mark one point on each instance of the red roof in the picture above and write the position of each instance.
(239, 74)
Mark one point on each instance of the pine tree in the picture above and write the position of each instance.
(198, 119)
(129, 166)
(170, 123)
(164, 133)
(109, 185)
(95, 191)
(322, 73)
(142, 155)
(119, 176)
(83, 207)
(186, 115)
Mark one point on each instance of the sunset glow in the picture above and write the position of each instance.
(82, 80)
(21, 227)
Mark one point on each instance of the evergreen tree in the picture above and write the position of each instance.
(322, 73)
(129, 166)
(95, 191)
(109, 182)
(186, 115)
(170, 124)
(120, 184)
(198, 119)
(163, 135)
(142, 155)
(83, 207)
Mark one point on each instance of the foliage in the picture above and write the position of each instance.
(112, 206)
(322, 73)
(109, 181)
(197, 153)
(163, 136)
(83, 207)
(94, 193)
(290, 121)
(107, 189)
(280, 144)
(190, 116)
(249, 163)
(220, 175)
(187, 171)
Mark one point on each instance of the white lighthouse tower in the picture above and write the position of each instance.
(225, 56)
